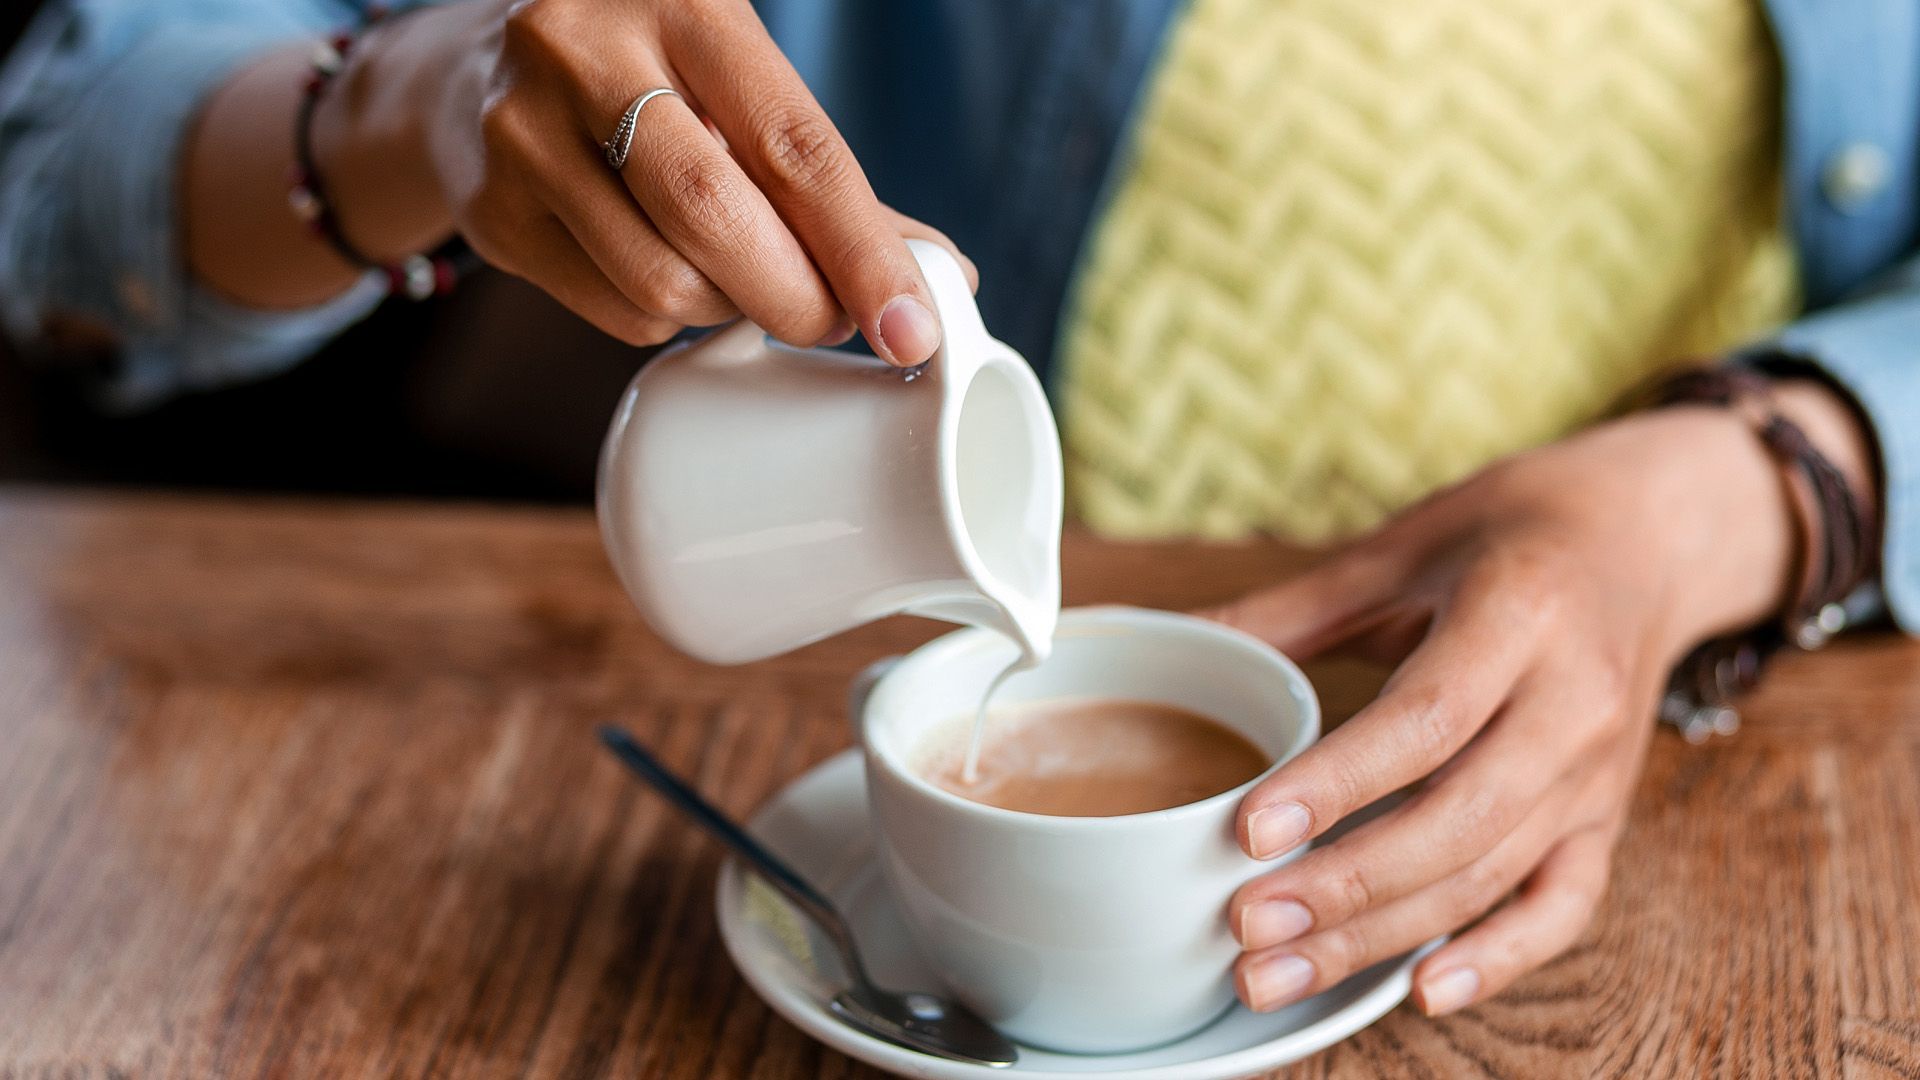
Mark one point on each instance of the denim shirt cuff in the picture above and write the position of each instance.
(1866, 349)
(218, 343)
(119, 256)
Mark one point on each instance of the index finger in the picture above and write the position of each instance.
(1441, 695)
(792, 151)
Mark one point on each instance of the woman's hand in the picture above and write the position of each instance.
(1535, 612)
(739, 194)
(738, 197)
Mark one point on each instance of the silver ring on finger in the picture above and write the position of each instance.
(622, 141)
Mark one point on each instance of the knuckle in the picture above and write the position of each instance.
(804, 325)
(494, 217)
(1350, 891)
(507, 132)
(490, 251)
(1344, 786)
(537, 28)
(490, 202)
(1609, 687)
(1599, 727)
(1513, 954)
(673, 289)
(1478, 887)
(1476, 819)
(1432, 725)
(1361, 568)
(800, 150)
(691, 22)
(801, 311)
(1527, 581)
(1581, 906)
(706, 195)
(875, 249)
(1585, 894)
(1343, 950)
(496, 122)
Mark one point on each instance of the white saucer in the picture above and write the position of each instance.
(819, 824)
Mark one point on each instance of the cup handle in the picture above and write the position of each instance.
(862, 688)
(952, 300)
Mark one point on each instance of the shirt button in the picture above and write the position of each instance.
(1854, 175)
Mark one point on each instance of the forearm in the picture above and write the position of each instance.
(242, 239)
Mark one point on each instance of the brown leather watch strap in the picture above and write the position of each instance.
(1837, 553)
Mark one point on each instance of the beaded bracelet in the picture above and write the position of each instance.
(416, 277)
(1837, 556)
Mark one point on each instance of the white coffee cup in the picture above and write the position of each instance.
(1078, 934)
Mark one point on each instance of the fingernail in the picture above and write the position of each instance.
(908, 331)
(841, 333)
(1449, 990)
(1274, 830)
(1271, 922)
(1277, 980)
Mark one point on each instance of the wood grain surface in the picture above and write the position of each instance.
(296, 788)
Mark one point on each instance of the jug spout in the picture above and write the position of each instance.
(1001, 497)
(1029, 626)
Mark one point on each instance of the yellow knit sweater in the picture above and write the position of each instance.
(1362, 248)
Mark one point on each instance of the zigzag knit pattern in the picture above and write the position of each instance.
(1363, 248)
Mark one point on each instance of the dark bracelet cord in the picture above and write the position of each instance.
(1839, 555)
(417, 276)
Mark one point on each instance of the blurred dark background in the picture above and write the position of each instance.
(492, 392)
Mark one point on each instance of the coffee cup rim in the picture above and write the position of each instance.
(1306, 734)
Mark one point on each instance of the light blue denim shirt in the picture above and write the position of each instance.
(999, 121)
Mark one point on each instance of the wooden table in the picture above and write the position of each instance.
(297, 788)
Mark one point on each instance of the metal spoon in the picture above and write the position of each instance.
(917, 1021)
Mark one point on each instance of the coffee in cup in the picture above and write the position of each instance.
(1088, 757)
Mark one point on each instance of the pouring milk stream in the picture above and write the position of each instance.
(755, 497)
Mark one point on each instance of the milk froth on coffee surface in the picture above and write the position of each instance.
(1089, 757)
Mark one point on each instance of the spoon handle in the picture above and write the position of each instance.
(707, 816)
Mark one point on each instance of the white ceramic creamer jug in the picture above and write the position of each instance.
(755, 497)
